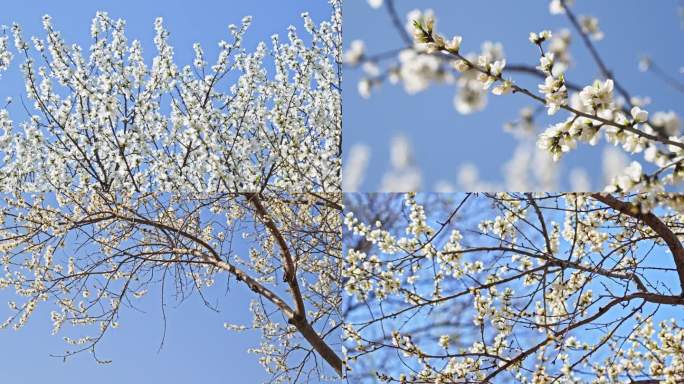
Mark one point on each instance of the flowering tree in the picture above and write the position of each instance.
(525, 288)
(251, 121)
(587, 113)
(130, 180)
(88, 259)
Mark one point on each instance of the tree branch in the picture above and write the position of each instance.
(296, 318)
(655, 224)
(299, 319)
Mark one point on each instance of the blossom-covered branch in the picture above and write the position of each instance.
(594, 112)
(89, 261)
(528, 288)
(248, 121)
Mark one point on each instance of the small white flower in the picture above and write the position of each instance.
(534, 38)
(497, 67)
(355, 52)
(556, 6)
(454, 44)
(599, 96)
(590, 26)
(644, 63)
(444, 341)
(639, 115)
(634, 171)
(630, 177)
(555, 93)
(375, 3)
(364, 88)
(461, 65)
(546, 62)
(539, 38)
(505, 87)
(669, 121)
(469, 99)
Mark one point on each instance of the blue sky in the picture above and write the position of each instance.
(443, 139)
(197, 347)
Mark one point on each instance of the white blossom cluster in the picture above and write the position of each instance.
(244, 122)
(535, 288)
(5, 54)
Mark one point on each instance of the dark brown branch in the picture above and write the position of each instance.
(296, 318)
(654, 223)
(299, 318)
(605, 72)
(397, 22)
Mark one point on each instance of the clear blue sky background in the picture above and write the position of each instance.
(197, 349)
(442, 138)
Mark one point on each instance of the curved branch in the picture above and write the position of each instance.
(518, 89)
(397, 22)
(288, 262)
(296, 318)
(594, 52)
(654, 223)
(299, 318)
